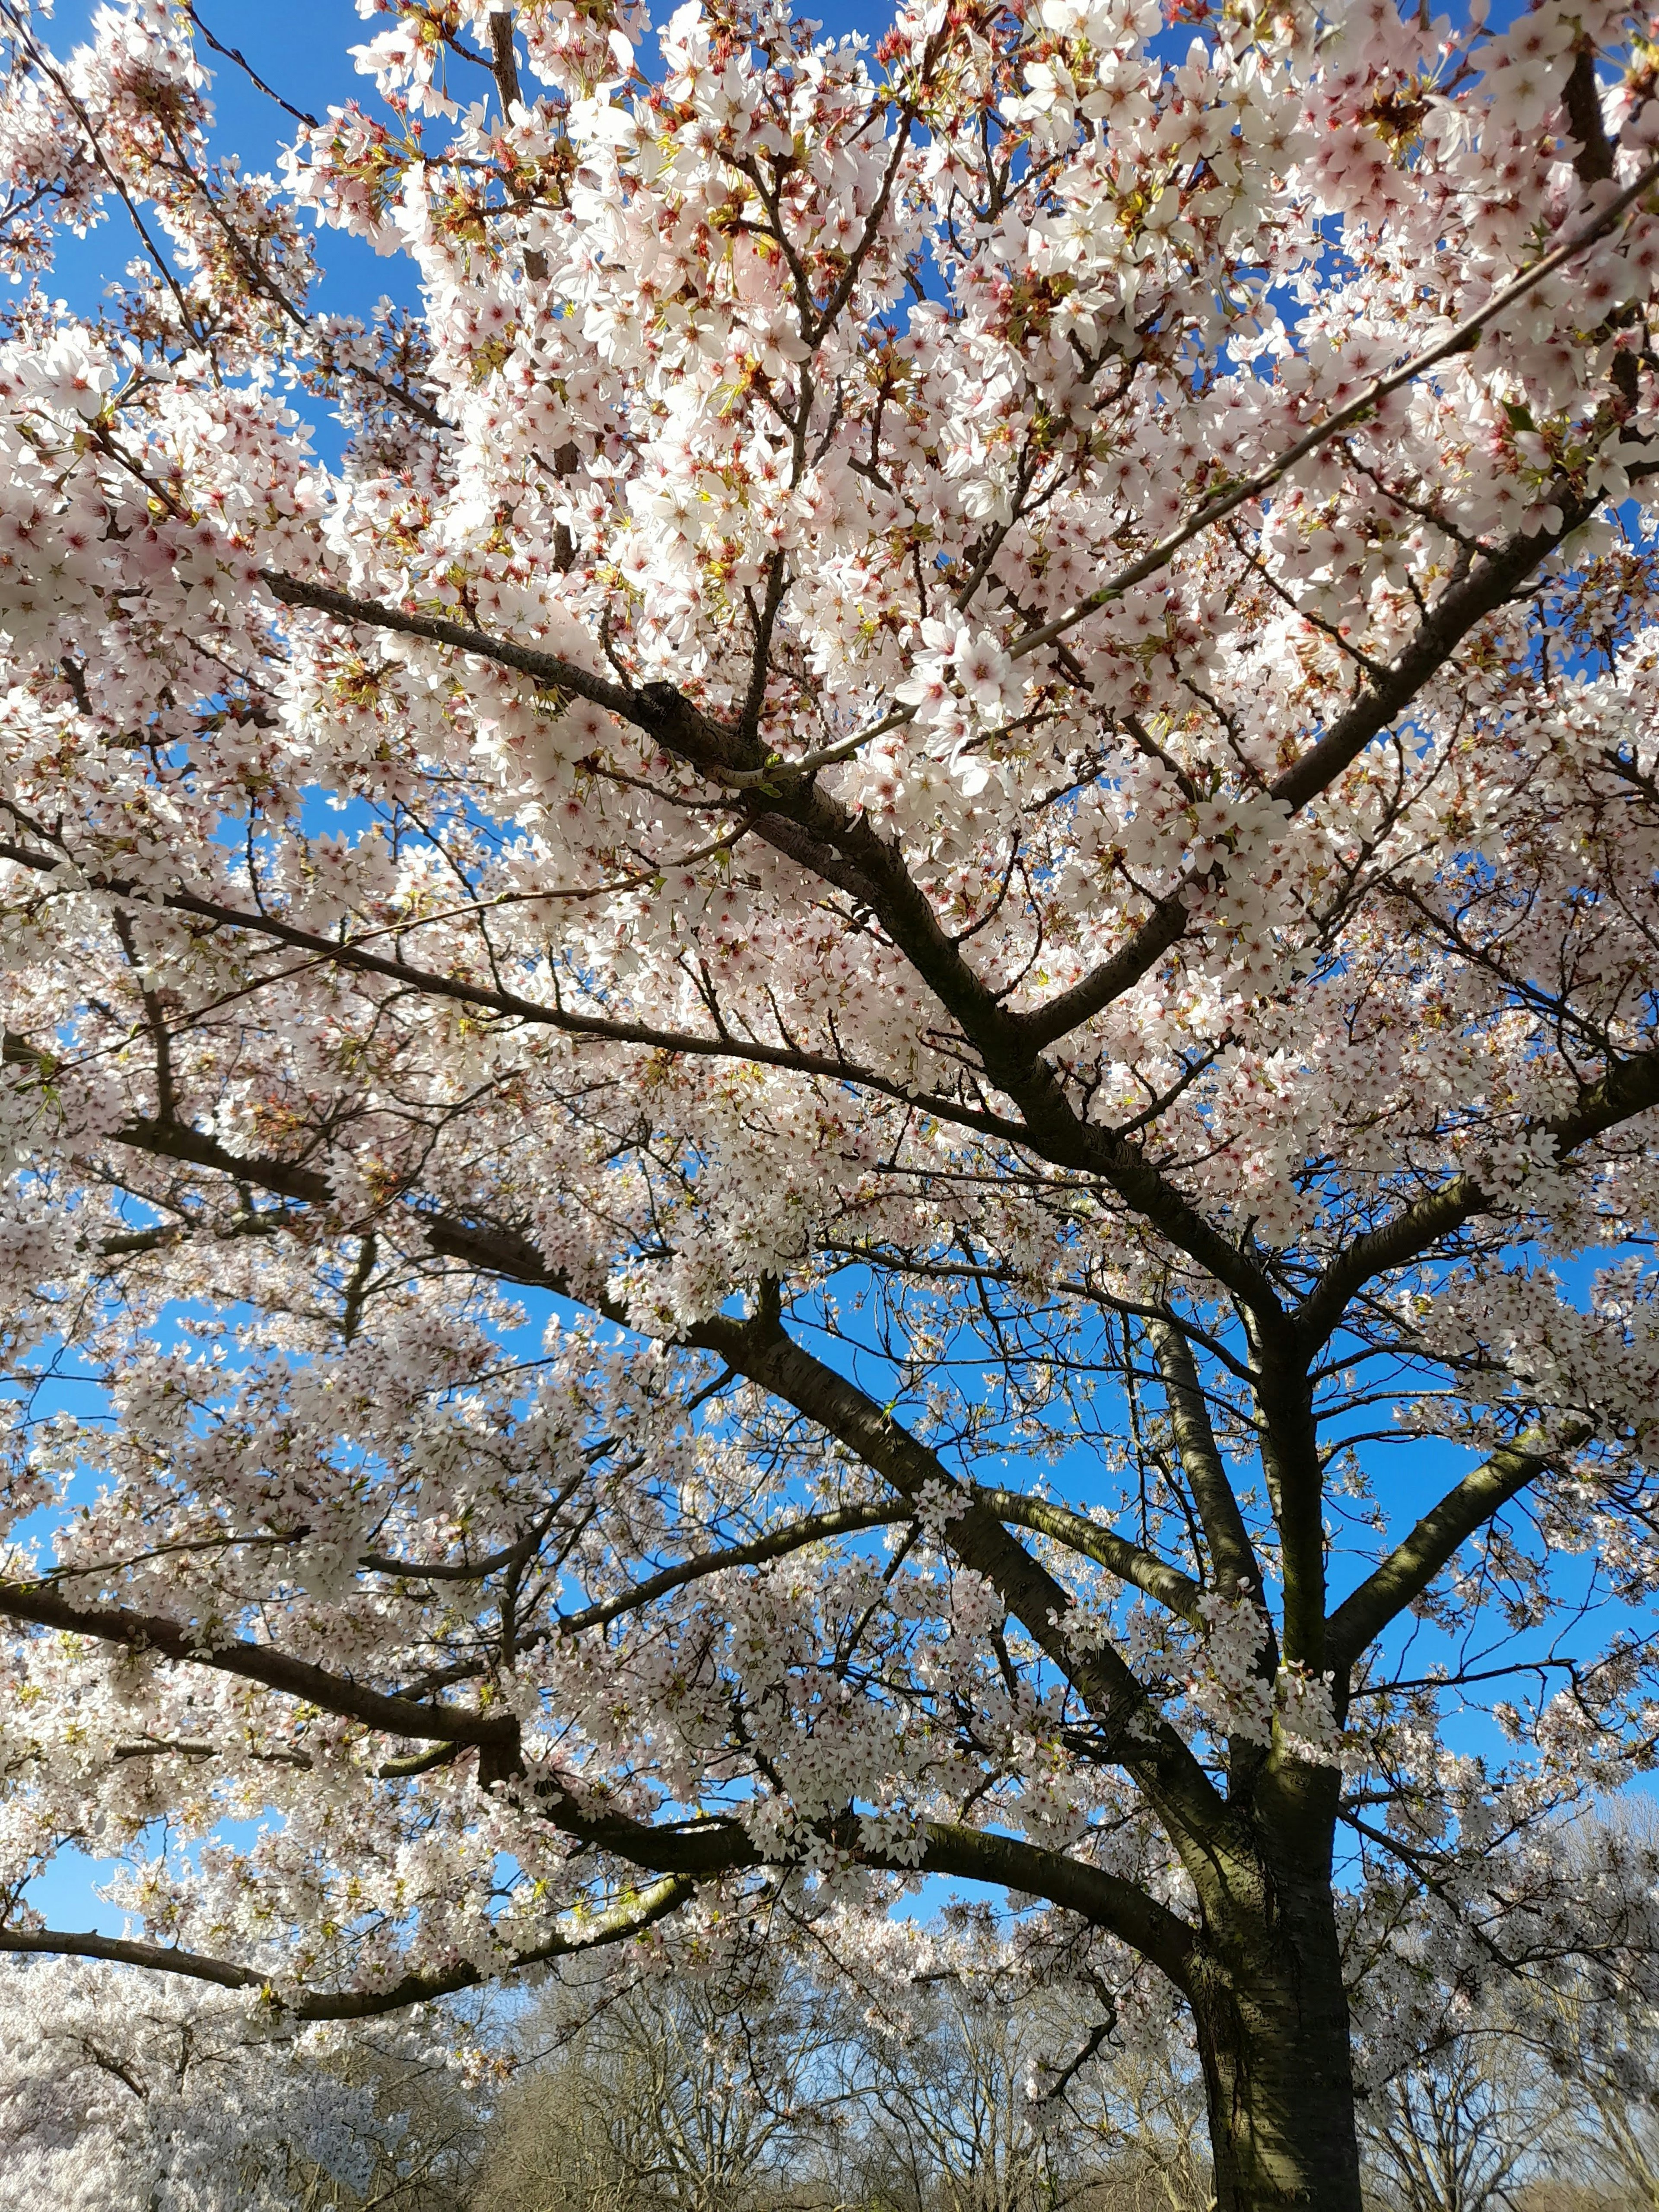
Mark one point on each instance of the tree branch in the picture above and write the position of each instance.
(1628, 1088)
(630, 1916)
(814, 1530)
(825, 838)
(1134, 1732)
(1489, 583)
(1232, 1555)
(1131, 1562)
(490, 999)
(1461, 338)
(200, 1645)
(1419, 1556)
(490, 1247)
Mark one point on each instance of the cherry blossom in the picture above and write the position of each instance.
(828, 1021)
(114, 2093)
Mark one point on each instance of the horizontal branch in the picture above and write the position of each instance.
(510, 1005)
(44, 1606)
(550, 670)
(630, 1916)
(723, 1845)
(491, 1248)
(951, 1849)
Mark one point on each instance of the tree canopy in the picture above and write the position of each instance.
(814, 1010)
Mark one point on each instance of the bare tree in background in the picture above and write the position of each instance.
(1606, 2044)
(433, 2129)
(954, 2100)
(1136, 2113)
(689, 2095)
(1463, 2131)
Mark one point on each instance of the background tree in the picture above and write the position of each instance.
(427, 2117)
(705, 2093)
(749, 2083)
(993, 701)
(957, 2101)
(1616, 2139)
(122, 2094)
(1462, 2132)
(1600, 2033)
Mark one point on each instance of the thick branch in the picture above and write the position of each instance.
(1232, 1555)
(44, 1606)
(1131, 1562)
(546, 669)
(1105, 1900)
(685, 1852)
(1418, 1557)
(952, 1849)
(1134, 1732)
(1594, 162)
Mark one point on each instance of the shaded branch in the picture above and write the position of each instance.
(199, 1645)
(1231, 1552)
(1131, 1562)
(1133, 1731)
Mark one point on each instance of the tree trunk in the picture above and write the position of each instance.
(1273, 2029)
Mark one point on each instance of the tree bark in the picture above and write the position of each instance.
(1272, 2015)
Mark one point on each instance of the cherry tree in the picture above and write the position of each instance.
(893, 1197)
(169, 2097)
